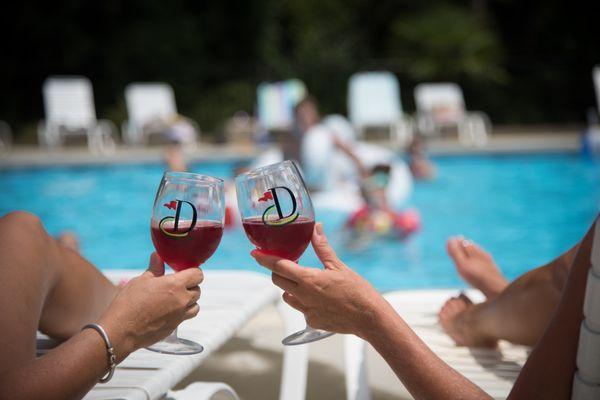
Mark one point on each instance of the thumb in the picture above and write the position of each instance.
(157, 266)
(323, 250)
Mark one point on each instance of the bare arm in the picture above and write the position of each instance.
(423, 373)
(558, 345)
(339, 300)
(144, 311)
(67, 372)
(353, 156)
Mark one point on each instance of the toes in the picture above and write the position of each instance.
(463, 297)
(456, 250)
(450, 307)
(472, 249)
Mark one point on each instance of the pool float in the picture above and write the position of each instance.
(397, 224)
(334, 175)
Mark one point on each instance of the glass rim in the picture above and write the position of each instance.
(261, 170)
(192, 177)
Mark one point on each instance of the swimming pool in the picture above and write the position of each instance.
(525, 209)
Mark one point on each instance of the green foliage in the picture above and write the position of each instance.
(518, 61)
(446, 42)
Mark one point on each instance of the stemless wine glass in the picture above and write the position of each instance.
(186, 228)
(278, 218)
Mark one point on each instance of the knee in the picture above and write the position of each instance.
(16, 223)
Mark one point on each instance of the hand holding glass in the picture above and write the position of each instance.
(279, 219)
(186, 229)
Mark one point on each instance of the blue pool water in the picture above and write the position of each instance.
(525, 209)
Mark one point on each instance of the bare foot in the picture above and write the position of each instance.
(476, 266)
(455, 320)
(69, 240)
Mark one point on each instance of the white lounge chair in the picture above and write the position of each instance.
(229, 299)
(204, 391)
(596, 78)
(276, 102)
(374, 102)
(295, 358)
(5, 136)
(442, 105)
(148, 103)
(70, 111)
(586, 382)
(495, 371)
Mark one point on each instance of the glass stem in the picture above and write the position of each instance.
(172, 338)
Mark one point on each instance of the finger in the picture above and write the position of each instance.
(190, 277)
(323, 250)
(156, 266)
(286, 268)
(194, 295)
(293, 302)
(284, 283)
(191, 311)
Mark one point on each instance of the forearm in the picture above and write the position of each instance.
(424, 374)
(353, 156)
(67, 372)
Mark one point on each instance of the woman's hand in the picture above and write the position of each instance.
(148, 308)
(335, 298)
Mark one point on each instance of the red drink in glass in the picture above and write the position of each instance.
(286, 241)
(188, 251)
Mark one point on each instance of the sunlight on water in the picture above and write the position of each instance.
(524, 209)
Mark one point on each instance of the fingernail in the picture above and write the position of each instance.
(319, 229)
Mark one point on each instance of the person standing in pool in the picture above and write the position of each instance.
(309, 128)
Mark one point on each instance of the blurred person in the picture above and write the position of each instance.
(232, 214)
(376, 215)
(318, 142)
(418, 162)
(339, 300)
(175, 160)
(517, 311)
(176, 128)
(50, 288)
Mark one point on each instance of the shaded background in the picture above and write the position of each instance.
(520, 61)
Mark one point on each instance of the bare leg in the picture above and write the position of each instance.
(476, 266)
(46, 285)
(69, 240)
(558, 346)
(519, 314)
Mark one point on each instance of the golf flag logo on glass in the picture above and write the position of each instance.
(279, 213)
(173, 229)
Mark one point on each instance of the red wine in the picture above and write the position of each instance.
(286, 241)
(187, 251)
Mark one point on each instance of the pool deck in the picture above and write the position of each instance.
(502, 141)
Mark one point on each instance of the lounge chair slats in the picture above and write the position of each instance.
(229, 299)
(586, 382)
(494, 370)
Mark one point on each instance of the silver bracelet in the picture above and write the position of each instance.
(112, 360)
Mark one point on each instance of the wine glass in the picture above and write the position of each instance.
(186, 228)
(278, 217)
